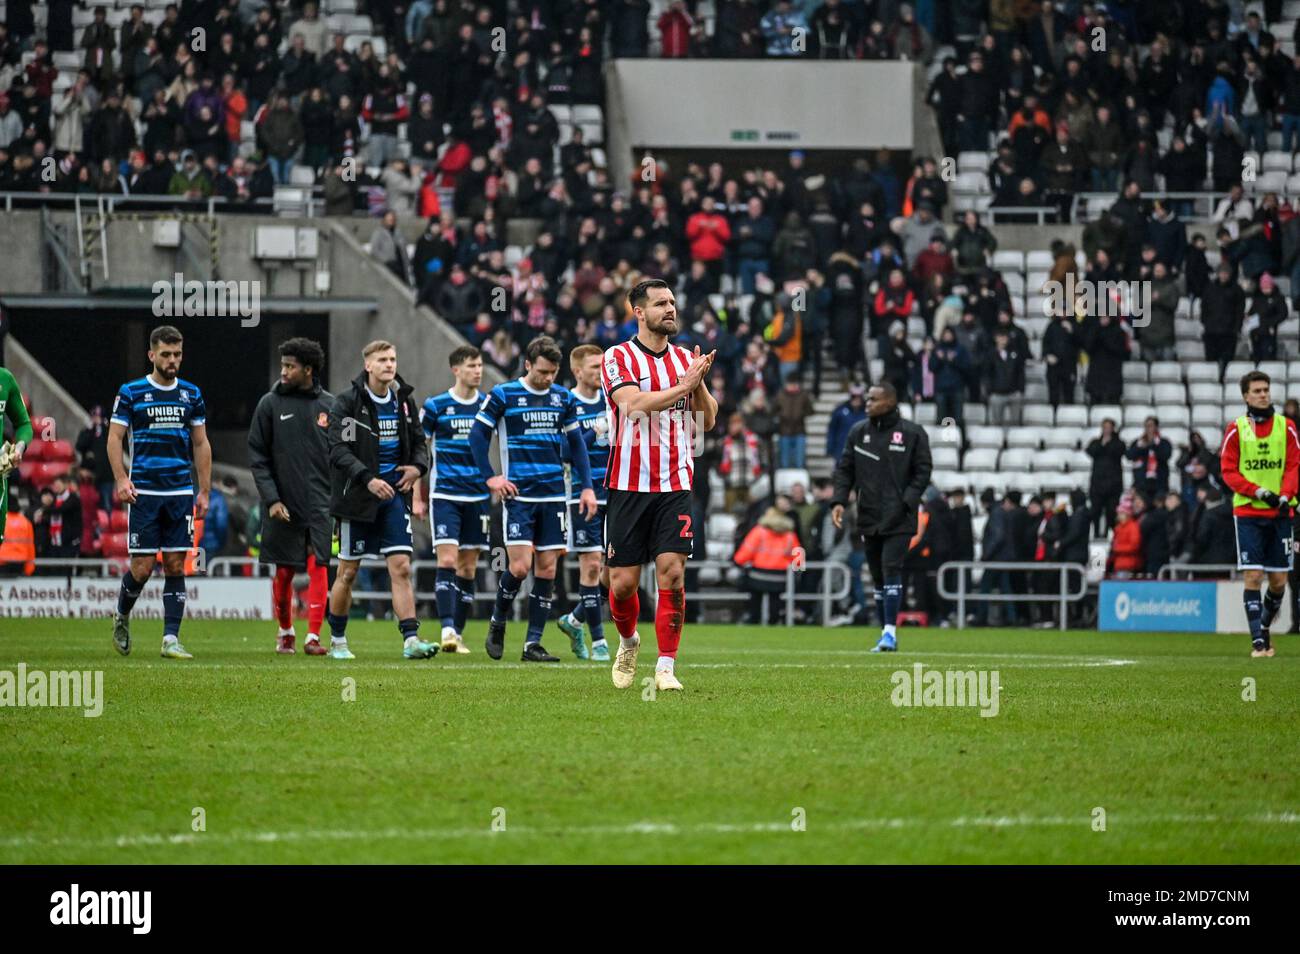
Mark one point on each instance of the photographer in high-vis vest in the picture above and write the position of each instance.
(1260, 461)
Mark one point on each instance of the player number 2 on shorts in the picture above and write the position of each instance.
(686, 533)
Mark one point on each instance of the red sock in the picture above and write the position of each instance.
(318, 592)
(282, 596)
(625, 613)
(668, 621)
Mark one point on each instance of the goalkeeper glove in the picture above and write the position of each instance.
(1270, 498)
(8, 459)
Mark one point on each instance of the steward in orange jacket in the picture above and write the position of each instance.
(767, 552)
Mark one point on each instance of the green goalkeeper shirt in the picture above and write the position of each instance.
(11, 406)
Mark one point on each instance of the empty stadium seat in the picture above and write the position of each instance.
(926, 413)
(1202, 371)
(1234, 371)
(979, 435)
(1072, 415)
(1040, 415)
(1201, 392)
(45, 472)
(1173, 415)
(1138, 393)
(981, 458)
(1031, 437)
(1137, 413)
(1099, 412)
(973, 161)
(1008, 260)
(1066, 438)
(113, 545)
(1040, 260)
(1276, 160)
(1168, 393)
(118, 521)
(1017, 459)
(789, 476)
(944, 456)
(1164, 371)
(1136, 371)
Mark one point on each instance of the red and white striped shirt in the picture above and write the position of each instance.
(650, 453)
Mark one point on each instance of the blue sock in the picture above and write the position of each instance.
(445, 593)
(1272, 603)
(507, 590)
(465, 601)
(590, 606)
(879, 596)
(338, 626)
(1254, 611)
(408, 628)
(173, 605)
(129, 593)
(893, 599)
(539, 609)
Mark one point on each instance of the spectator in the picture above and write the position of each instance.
(112, 132)
(1222, 311)
(1107, 347)
(675, 26)
(503, 351)
(892, 305)
(190, 181)
(741, 464)
(1005, 372)
(388, 246)
(708, 233)
(1265, 311)
(1061, 355)
(951, 367)
(1289, 107)
(217, 524)
(340, 192)
(1158, 337)
(312, 29)
(1214, 539)
(785, 30)
(793, 408)
(1176, 527)
(401, 188)
(998, 546)
(1125, 558)
(56, 522)
(753, 234)
(70, 110)
(794, 251)
(629, 33)
(1150, 454)
(92, 445)
(1106, 484)
(973, 244)
(900, 360)
(99, 44)
(1257, 102)
(280, 134)
(766, 553)
(977, 102)
(843, 418)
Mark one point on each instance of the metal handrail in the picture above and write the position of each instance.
(1210, 198)
(1170, 570)
(1040, 212)
(1063, 597)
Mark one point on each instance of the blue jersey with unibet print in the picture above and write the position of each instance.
(447, 420)
(388, 416)
(531, 427)
(159, 419)
(593, 418)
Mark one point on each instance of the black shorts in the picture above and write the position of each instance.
(288, 543)
(640, 526)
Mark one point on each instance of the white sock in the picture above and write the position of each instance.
(597, 642)
(889, 629)
(411, 640)
(168, 639)
(287, 632)
(629, 642)
(313, 637)
(448, 632)
(665, 664)
(338, 640)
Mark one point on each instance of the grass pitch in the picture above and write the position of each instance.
(777, 730)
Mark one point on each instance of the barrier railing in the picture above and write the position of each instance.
(1062, 597)
(1170, 571)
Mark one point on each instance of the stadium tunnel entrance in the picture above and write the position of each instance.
(92, 351)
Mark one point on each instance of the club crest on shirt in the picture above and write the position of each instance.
(557, 400)
(323, 419)
(185, 397)
(897, 438)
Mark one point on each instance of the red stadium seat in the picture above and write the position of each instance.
(117, 521)
(913, 618)
(43, 428)
(113, 545)
(27, 470)
(101, 520)
(45, 473)
(61, 450)
(38, 450)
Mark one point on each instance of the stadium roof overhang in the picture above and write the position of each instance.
(144, 301)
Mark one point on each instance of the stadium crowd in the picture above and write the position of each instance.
(865, 250)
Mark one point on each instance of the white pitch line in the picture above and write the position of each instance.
(1083, 822)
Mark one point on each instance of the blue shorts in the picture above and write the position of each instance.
(465, 524)
(156, 522)
(540, 525)
(1263, 543)
(586, 536)
(387, 534)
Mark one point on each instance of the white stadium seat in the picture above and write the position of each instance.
(1072, 415)
(1099, 412)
